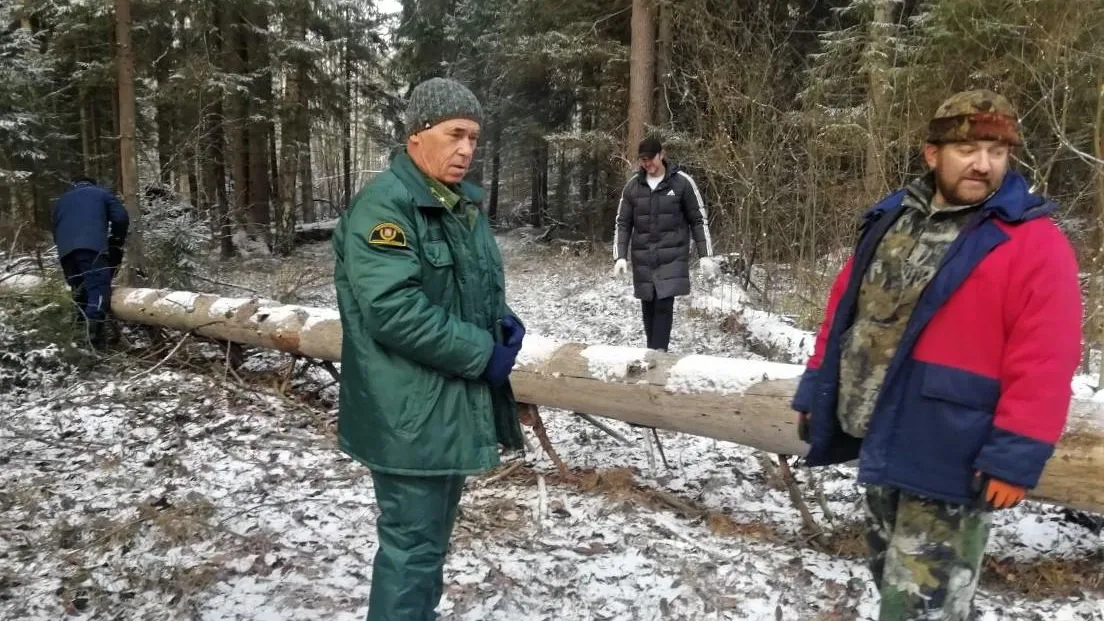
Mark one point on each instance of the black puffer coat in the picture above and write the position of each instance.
(656, 226)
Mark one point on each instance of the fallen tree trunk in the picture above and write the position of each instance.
(741, 401)
(314, 232)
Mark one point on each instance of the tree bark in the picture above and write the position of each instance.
(96, 168)
(214, 178)
(128, 159)
(191, 163)
(538, 183)
(165, 109)
(496, 170)
(213, 121)
(259, 128)
(877, 68)
(86, 121)
(641, 75)
(306, 173)
(165, 147)
(347, 131)
(292, 121)
(234, 49)
(306, 184)
(1096, 309)
(563, 185)
(273, 167)
(662, 108)
(633, 385)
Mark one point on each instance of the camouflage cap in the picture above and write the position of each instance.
(975, 115)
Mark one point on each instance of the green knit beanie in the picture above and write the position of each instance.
(437, 100)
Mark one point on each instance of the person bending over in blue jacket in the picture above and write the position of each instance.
(90, 228)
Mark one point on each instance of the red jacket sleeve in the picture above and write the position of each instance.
(806, 388)
(838, 287)
(1042, 349)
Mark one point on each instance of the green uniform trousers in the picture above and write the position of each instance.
(925, 555)
(414, 526)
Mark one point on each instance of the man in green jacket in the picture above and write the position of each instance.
(428, 345)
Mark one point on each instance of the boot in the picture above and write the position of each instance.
(96, 335)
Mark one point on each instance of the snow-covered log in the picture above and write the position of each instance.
(315, 231)
(741, 401)
(311, 332)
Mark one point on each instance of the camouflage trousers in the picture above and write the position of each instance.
(925, 555)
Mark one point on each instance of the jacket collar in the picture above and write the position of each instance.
(414, 181)
(668, 168)
(1013, 202)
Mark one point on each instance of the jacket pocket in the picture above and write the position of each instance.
(961, 387)
(438, 254)
(437, 272)
(945, 429)
(420, 399)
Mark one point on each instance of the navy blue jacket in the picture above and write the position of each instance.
(88, 217)
(980, 381)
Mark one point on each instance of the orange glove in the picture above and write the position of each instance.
(996, 494)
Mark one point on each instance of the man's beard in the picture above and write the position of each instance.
(953, 196)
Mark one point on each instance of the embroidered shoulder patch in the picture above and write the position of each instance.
(388, 234)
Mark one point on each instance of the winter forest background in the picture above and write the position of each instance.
(256, 116)
(179, 478)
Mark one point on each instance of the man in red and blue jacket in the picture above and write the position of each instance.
(945, 358)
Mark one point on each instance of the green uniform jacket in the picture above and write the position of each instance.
(421, 292)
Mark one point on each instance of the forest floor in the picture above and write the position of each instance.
(148, 486)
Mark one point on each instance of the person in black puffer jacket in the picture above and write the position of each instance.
(660, 209)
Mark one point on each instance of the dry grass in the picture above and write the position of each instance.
(620, 486)
(1063, 577)
(1045, 578)
(1053, 578)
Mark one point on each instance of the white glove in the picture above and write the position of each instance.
(709, 267)
(620, 267)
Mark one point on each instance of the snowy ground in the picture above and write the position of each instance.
(182, 492)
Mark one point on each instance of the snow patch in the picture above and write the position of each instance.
(316, 316)
(177, 300)
(287, 524)
(276, 314)
(137, 296)
(722, 298)
(1042, 536)
(20, 282)
(224, 307)
(775, 331)
(325, 225)
(609, 362)
(726, 376)
(536, 349)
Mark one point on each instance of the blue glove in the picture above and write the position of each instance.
(501, 363)
(512, 331)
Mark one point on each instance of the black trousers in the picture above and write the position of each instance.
(88, 274)
(659, 315)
